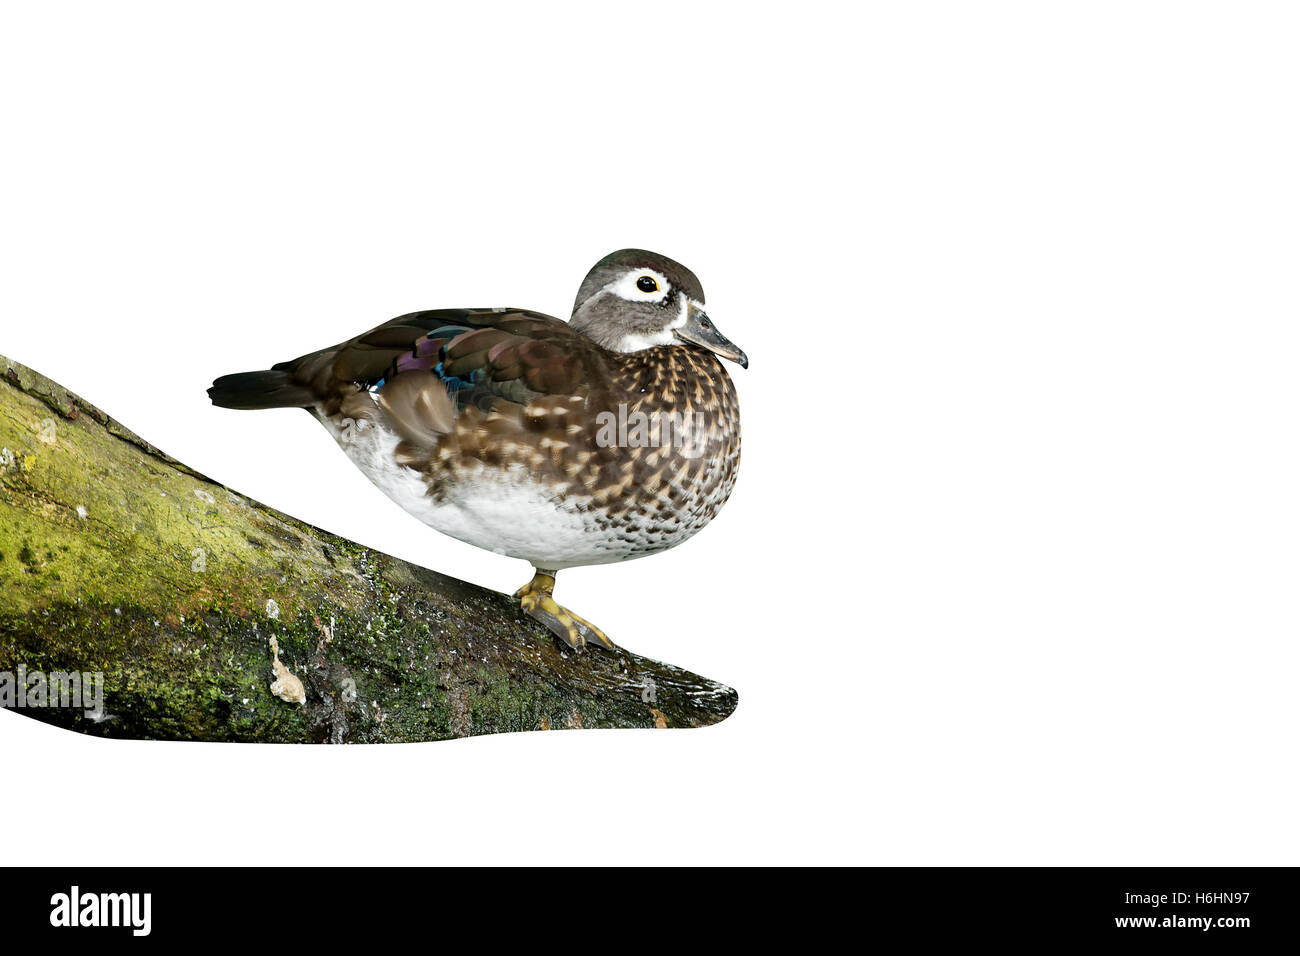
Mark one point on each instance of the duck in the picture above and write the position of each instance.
(609, 437)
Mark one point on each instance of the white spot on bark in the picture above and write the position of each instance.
(286, 685)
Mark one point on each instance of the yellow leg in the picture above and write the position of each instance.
(536, 601)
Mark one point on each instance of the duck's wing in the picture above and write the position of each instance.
(423, 368)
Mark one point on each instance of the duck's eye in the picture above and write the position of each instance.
(647, 284)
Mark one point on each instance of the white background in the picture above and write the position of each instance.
(1010, 572)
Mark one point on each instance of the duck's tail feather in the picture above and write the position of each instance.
(273, 388)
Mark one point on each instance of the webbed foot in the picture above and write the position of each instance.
(575, 630)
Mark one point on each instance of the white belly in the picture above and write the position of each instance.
(504, 511)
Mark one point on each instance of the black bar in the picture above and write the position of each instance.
(1194, 906)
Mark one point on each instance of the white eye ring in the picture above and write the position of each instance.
(627, 286)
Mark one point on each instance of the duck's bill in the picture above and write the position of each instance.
(700, 330)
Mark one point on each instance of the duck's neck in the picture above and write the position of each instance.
(675, 375)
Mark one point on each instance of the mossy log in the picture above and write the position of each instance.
(116, 558)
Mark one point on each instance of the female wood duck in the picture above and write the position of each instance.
(610, 437)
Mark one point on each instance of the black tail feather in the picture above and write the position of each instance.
(268, 389)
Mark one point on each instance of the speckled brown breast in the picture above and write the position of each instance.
(653, 486)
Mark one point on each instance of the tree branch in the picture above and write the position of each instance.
(116, 558)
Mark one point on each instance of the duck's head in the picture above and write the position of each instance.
(633, 300)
